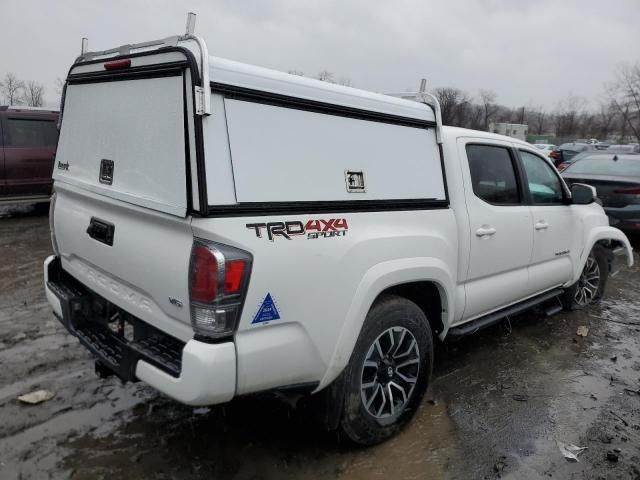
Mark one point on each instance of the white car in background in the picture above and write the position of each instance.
(545, 148)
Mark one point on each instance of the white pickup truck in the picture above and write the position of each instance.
(221, 229)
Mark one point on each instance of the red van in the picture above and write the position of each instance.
(28, 138)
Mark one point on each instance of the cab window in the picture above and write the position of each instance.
(493, 174)
(544, 185)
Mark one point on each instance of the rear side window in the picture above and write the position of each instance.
(30, 133)
(492, 174)
(544, 185)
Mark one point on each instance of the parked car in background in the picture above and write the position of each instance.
(545, 148)
(589, 153)
(564, 165)
(28, 138)
(567, 151)
(617, 180)
(629, 148)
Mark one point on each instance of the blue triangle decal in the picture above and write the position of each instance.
(267, 311)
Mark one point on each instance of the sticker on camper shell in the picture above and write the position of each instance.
(311, 229)
(267, 311)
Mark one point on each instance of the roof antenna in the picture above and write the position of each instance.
(191, 23)
(615, 158)
(85, 45)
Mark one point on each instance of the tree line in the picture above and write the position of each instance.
(18, 92)
(615, 117)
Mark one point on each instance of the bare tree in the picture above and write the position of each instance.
(538, 121)
(587, 125)
(345, 81)
(325, 76)
(475, 117)
(489, 107)
(624, 121)
(626, 98)
(12, 89)
(454, 104)
(34, 94)
(329, 77)
(607, 115)
(567, 116)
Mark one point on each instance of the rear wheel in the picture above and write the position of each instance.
(590, 286)
(388, 372)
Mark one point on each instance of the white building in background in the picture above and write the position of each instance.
(515, 130)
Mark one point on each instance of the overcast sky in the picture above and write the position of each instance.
(529, 52)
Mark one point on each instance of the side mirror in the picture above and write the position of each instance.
(582, 194)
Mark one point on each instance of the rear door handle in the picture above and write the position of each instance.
(542, 225)
(485, 231)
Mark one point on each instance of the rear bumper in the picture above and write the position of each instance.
(194, 373)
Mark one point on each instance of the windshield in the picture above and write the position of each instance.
(623, 167)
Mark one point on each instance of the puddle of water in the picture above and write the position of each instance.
(174, 441)
(422, 450)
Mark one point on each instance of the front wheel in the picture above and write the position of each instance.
(388, 372)
(590, 286)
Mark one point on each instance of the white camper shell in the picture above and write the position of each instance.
(221, 229)
(261, 125)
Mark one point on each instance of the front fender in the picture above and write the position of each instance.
(376, 280)
(595, 235)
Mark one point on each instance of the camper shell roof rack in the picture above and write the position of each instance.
(202, 56)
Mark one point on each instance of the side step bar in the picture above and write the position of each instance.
(478, 324)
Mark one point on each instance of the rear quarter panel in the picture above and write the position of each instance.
(324, 287)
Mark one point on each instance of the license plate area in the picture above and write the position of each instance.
(117, 338)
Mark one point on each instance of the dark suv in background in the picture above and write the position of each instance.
(28, 138)
(565, 152)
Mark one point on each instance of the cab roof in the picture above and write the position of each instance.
(455, 132)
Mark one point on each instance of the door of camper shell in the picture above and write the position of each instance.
(128, 129)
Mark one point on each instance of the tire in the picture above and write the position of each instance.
(374, 407)
(588, 290)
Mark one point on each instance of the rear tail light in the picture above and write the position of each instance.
(562, 166)
(219, 277)
(554, 154)
(628, 191)
(118, 64)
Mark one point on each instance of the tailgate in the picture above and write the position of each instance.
(124, 132)
(144, 270)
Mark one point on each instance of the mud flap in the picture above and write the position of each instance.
(617, 258)
(325, 407)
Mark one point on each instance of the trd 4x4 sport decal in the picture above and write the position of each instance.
(333, 227)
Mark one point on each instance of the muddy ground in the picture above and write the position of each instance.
(499, 402)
